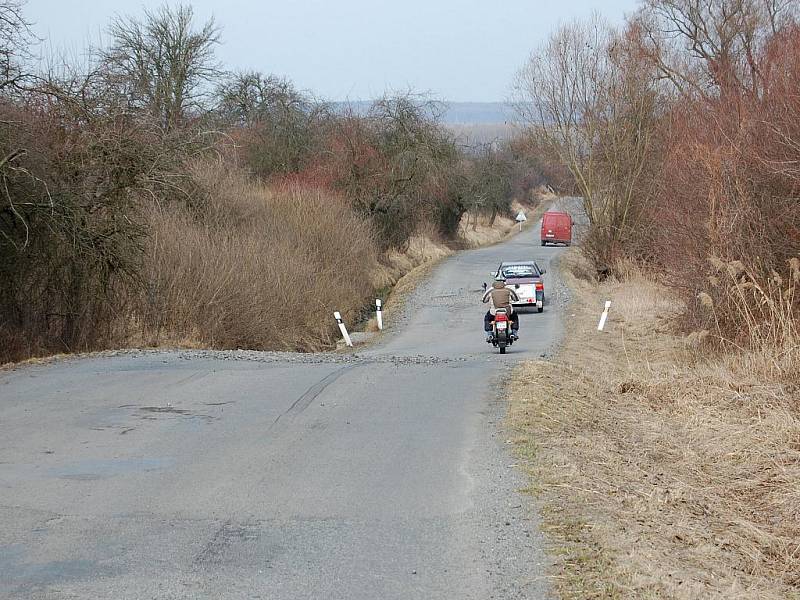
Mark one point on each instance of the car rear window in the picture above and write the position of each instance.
(520, 271)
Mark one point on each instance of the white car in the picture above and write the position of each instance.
(525, 278)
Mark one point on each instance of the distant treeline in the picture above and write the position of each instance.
(452, 113)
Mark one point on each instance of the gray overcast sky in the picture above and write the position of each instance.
(461, 50)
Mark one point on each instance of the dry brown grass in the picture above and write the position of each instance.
(424, 247)
(478, 230)
(229, 278)
(763, 310)
(661, 474)
(400, 272)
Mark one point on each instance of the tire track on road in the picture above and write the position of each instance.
(311, 394)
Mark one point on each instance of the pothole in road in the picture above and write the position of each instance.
(151, 412)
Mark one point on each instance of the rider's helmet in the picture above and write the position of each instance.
(500, 277)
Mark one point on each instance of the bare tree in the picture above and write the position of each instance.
(711, 46)
(15, 40)
(249, 97)
(395, 165)
(595, 106)
(163, 64)
(284, 125)
(491, 188)
(557, 89)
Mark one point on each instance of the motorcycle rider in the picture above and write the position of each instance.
(499, 296)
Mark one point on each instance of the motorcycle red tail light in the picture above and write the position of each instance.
(501, 318)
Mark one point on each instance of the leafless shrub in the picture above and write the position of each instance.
(262, 269)
(397, 166)
(68, 243)
(282, 130)
(487, 180)
(252, 97)
(727, 190)
(78, 170)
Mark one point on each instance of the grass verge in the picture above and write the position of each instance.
(661, 473)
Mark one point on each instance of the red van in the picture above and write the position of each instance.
(556, 228)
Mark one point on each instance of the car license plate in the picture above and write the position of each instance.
(501, 326)
(550, 235)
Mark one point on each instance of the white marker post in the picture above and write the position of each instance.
(604, 316)
(379, 313)
(343, 329)
(521, 218)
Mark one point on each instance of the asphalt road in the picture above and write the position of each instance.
(381, 475)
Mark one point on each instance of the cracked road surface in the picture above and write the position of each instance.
(196, 474)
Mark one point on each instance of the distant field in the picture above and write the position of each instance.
(472, 134)
(480, 122)
(478, 113)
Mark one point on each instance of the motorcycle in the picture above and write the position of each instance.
(502, 335)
